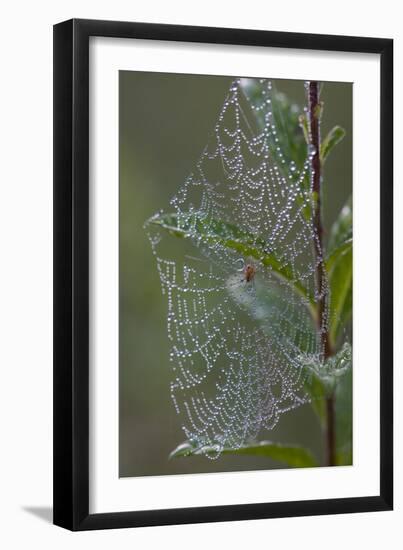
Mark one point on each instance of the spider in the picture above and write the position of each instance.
(249, 272)
(248, 269)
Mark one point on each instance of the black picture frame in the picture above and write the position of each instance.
(71, 274)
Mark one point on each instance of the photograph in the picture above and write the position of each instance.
(235, 273)
(200, 261)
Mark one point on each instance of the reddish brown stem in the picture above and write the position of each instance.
(314, 108)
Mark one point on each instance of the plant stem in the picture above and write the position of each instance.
(314, 108)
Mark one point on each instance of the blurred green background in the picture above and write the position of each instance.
(164, 123)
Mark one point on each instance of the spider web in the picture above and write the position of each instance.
(236, 345)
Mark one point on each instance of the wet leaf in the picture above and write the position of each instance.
(339, 265)
(317, 391)
(329, 372)
(286, 114)
(325, 378)
(334, 137)
(337, 254)
(342, 229)
(344, 420)
(291, 140)
(293, 455)
(341, 286)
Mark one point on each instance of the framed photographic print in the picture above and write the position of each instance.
(222, 274)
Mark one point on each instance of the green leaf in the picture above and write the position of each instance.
(286, 117)
(339, 265)
(341, 297)
(344, 420)
(303, 122)
(342, 229)
(317, 391)
(334, 137)
(293, 455)
(323, 379)
(211, 232)
(289, 145)
(291, 139)
(329, 372)
(337, 254)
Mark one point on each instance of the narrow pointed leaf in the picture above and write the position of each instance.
(341, 287)
(293, 455)
(334, 137)
(342, 229)
(339, 265)
(338, 253)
